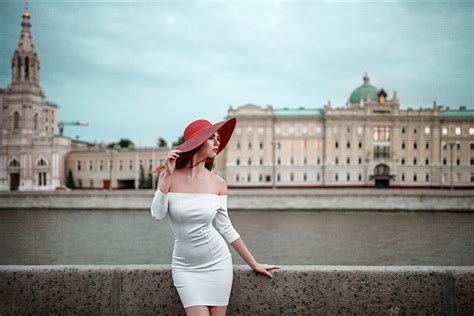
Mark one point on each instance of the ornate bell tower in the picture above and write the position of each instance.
(25, 62)
(30, 154)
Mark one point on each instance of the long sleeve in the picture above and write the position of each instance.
(223, 223)
(159, 205)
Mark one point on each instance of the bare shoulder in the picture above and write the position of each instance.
(221, 183)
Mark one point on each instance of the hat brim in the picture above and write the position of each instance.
(224, 128)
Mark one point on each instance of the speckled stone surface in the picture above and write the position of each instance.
(294, 290)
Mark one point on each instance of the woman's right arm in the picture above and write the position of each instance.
(159, 205)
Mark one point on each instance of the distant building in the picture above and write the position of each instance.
(369, 142)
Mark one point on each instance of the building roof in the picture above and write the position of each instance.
(361, 92)
(298, 112)
(462, 112)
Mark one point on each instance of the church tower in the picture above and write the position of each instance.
(29, 152)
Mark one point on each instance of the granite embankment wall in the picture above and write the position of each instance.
(293, 290)
(259, 199)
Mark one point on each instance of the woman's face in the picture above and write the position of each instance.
(210, 146)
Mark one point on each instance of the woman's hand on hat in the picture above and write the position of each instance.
(170, 163)
(264, 268)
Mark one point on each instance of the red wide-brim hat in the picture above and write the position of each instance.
(198, 131)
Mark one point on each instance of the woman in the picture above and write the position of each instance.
(194, 196)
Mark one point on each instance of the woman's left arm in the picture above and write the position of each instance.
(241, 248)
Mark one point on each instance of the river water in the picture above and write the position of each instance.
(39, 237)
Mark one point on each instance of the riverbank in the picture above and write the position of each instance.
(293, 290)
(258, 199)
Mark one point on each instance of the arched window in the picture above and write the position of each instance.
(27, 67)
(35, 121)
(41, 163)
(16, 120)
(18, 67)
(14, 163)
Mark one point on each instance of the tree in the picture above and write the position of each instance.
(162, 142)
(122, 143)
(70, 180)
(179, 141)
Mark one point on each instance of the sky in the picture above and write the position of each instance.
(145, 69)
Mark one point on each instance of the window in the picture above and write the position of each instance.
(360, 177)
(348, 160)
(318, 161)
(16, 120)
(250, 145)
(471, 130)
(237, 178)
(292, 160)
(91, 183)
(472, 161)
(150, 163)
(415, 130)
(359, 130)
(79, 183)
(249, 177)
(444, 161)
(403, 177)
(336, 161)
(305, 160)
(348, 144)
(260, 177)
(414, 177)
(336, 177)
(427, 130)
(278, 145)
(318, 177)
(101, 165)
(41, 163)
(42, 178)
(291, 176)
(472, 146)
(120, 165)
(261, 145)
(278, 177)
(304, 176)
(427, 145)
(458, 161)
(238, 145)
(360, 144)
(348, 177)
(415, 145)
(427, 161)
(458, 146)
(130, 164)
(249, 161)
(403, 160)
(261, 161)
(336, 144)
(381, 151)
(381, 133)
(427, 177)
(414, 161)
(444, 130)
(237, 162)
(35, 121)
(78, 165)
(90, 165)
(360, 160)
(457, 130)
(278, 161)
(403, 145)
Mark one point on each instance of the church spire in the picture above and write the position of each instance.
(25, 63)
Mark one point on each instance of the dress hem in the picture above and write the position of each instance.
(205, 304)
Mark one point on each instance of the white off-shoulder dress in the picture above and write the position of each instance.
(201, 264)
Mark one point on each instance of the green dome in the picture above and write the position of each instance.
(362, 91)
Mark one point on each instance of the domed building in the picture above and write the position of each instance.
(363, 93)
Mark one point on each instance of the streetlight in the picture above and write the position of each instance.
(64, 123)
